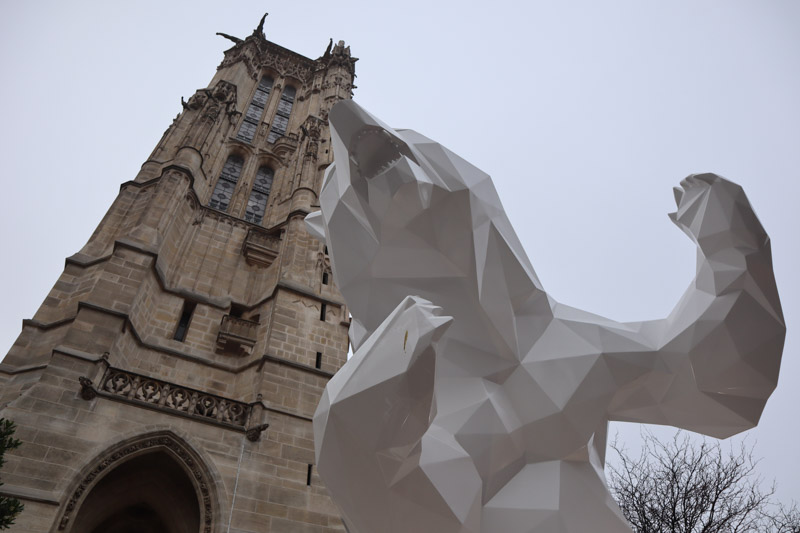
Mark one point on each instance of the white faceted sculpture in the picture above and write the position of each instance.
(476, 403)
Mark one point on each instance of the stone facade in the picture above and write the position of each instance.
(168, 380)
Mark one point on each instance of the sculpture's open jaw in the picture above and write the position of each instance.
(375, 150)
(370, 146)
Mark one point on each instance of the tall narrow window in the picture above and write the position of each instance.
(257, 203)
(281, 120)
(183, 323)
(226, 183)
(247, 131)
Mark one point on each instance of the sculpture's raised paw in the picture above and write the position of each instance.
(386, 388)
(373, 414)
(716, 214)
(425, 323)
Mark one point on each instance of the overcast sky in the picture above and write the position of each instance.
(585, 113)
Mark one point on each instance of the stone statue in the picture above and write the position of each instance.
(474, 402)
(259, 31)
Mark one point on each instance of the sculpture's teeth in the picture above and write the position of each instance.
(385, 167)
(375, 151)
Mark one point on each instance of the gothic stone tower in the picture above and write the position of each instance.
(167, 382)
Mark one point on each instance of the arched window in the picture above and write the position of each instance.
(226, 183)
(247, 131)
(257, 203)
(281, 120)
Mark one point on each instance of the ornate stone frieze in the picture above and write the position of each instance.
(287, 68)
(256, 53)
(169, 397)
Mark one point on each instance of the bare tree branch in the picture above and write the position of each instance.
(682, 487)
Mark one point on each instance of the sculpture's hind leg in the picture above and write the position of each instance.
(554, 497)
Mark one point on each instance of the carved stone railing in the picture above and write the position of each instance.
(237, 334)
(169, 397)
(161, 395)
(261, 247)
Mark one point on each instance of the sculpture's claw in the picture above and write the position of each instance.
(678, 192)
(707, 178)
(715, 213)
(673, 217)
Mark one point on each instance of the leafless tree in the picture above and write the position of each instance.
(10, 507)
(680, 486)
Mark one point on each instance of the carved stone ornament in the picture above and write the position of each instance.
(224, 91)
(338, 57)
(224, 218)
(88, 392)
(261, 247)
(254, 433)
(246, 52)
(312, 129)
(173, 175)
(225, 94)
(237, 335)
(191, 197)
(286, 65)
(144, 444)
(324, 264)
(211, 112)
(198, 99)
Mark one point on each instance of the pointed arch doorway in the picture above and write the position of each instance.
(152, 484)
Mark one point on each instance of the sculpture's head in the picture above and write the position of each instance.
(377, 189)
(364, 147)
(400, 214)
(378, 171)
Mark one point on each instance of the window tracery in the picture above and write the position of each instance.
(257, 203)
(255, 110)
(223, 192)
(281, 121)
